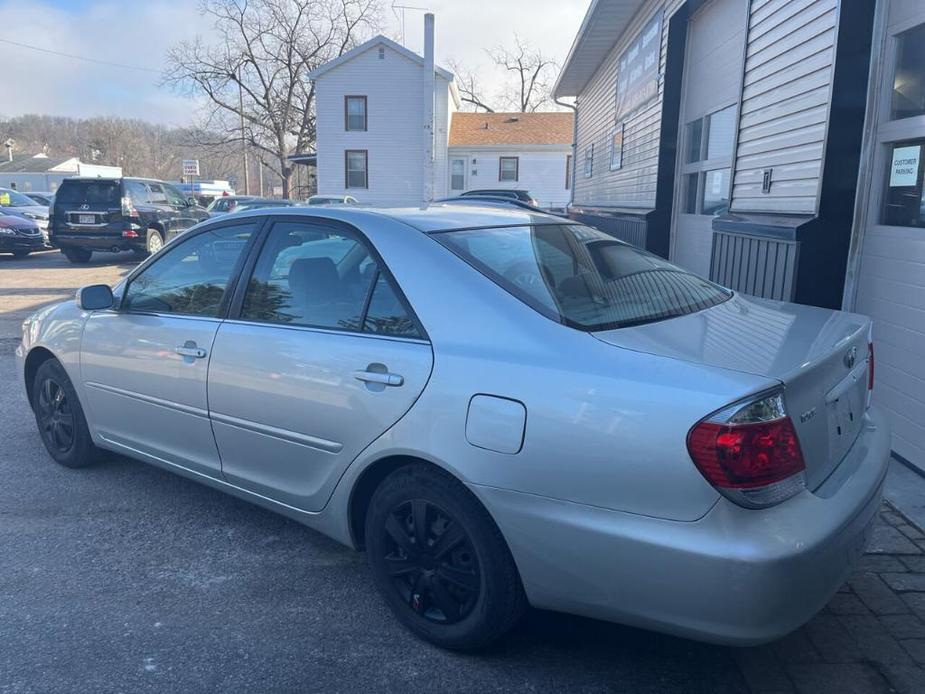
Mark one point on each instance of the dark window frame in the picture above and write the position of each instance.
(365, 153)
(347, 98)
(589, 161)
(501, 161)
(568, 171)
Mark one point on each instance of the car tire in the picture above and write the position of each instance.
(154, 242)
(60, 418)
(463, 590)
(77, 255)
(21, 254)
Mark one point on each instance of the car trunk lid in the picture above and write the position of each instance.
(819, 355)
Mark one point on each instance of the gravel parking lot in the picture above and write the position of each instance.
(123, 577)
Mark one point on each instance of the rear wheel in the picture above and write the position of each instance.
(77, 255)
(60, 418)
(155, 242)
(439, 560)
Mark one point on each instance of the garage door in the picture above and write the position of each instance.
(710, 94)
(891, 275)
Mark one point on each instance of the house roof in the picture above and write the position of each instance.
(474, 129)
(378, 40)
(603, 25)
(28, 163)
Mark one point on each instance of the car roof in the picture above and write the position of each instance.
(433, 218)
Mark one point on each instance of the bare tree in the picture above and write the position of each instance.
(470, 87)
(531, 73)
(255, 77)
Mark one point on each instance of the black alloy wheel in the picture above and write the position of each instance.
(431, 561)
(55, 416)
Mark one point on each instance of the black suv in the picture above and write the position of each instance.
(514, 194)
(118, 214)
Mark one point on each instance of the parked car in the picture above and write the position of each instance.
(20, 235)
(42, 198)
(227, 203)
(589, 429)
(258, 203)
(331, 200)
(15, 203)
(492, 201)
(118, 214)
(522, 195)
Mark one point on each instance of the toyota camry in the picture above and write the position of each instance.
(502, 408)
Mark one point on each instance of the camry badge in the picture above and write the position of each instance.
(851, 356)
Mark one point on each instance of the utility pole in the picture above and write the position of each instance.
(243, 140)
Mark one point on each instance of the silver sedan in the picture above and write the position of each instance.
(503, 408)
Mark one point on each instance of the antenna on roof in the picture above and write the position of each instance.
(401, 17)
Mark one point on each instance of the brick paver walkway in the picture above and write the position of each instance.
(869, 638)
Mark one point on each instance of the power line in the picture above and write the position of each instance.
(78, 57)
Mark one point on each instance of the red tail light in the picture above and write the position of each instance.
(870, 366)
(750, 452)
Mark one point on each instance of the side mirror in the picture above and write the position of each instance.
(94, 297)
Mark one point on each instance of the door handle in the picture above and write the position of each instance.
(190, 350)
(385, 379)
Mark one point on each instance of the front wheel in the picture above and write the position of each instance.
(439, 560)
(77, 255)
(60, 418)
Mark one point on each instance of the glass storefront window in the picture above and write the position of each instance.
(690, 193)
(715, 192)
(909, 78)
(694, 140)
(903, 205)
(721, 133)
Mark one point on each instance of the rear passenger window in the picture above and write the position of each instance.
(316, 277)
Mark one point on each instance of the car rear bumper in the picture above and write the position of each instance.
(735, 576)
(97, 242)
(9, 243)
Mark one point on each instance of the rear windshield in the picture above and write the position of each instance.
(582, 277)
(92, 192)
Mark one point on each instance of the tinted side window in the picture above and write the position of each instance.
(317, 277)
(137, 192)
(156, 194)
(192, 276)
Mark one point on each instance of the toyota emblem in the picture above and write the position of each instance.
(851, 356)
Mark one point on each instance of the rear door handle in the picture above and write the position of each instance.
(190, 350)
(386, 379)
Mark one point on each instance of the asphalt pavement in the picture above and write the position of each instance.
(126, 578)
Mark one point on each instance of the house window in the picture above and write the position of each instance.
(355, 112)
(903, 204)
(707, 167)
(909, 78)
(568, 171)
(457, 174)
(589, 160)
(508, 168)
(355, 165)
(616, 148)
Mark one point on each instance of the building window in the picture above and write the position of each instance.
(508, 168)
(355, 113)
(616, 148)
(909, 78)
(355, 165)
(707, 167)
(589, 160)
(568, 171)
(903, 204)
(457, 174)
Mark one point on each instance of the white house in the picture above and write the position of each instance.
(529, 151)
(389, 133)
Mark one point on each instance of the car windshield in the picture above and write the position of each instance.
(582, 277)
(10, 198)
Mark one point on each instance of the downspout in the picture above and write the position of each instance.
(574, 107)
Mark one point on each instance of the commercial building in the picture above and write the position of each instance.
(774, 146)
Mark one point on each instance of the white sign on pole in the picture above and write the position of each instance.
(905, 168)
(190, 167)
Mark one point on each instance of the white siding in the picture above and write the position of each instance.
(634, 184)
(540, 172)
(393, 87)
(785, 104)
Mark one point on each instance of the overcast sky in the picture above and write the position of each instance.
(138, 34)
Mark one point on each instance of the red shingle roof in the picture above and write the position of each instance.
(553, 128)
